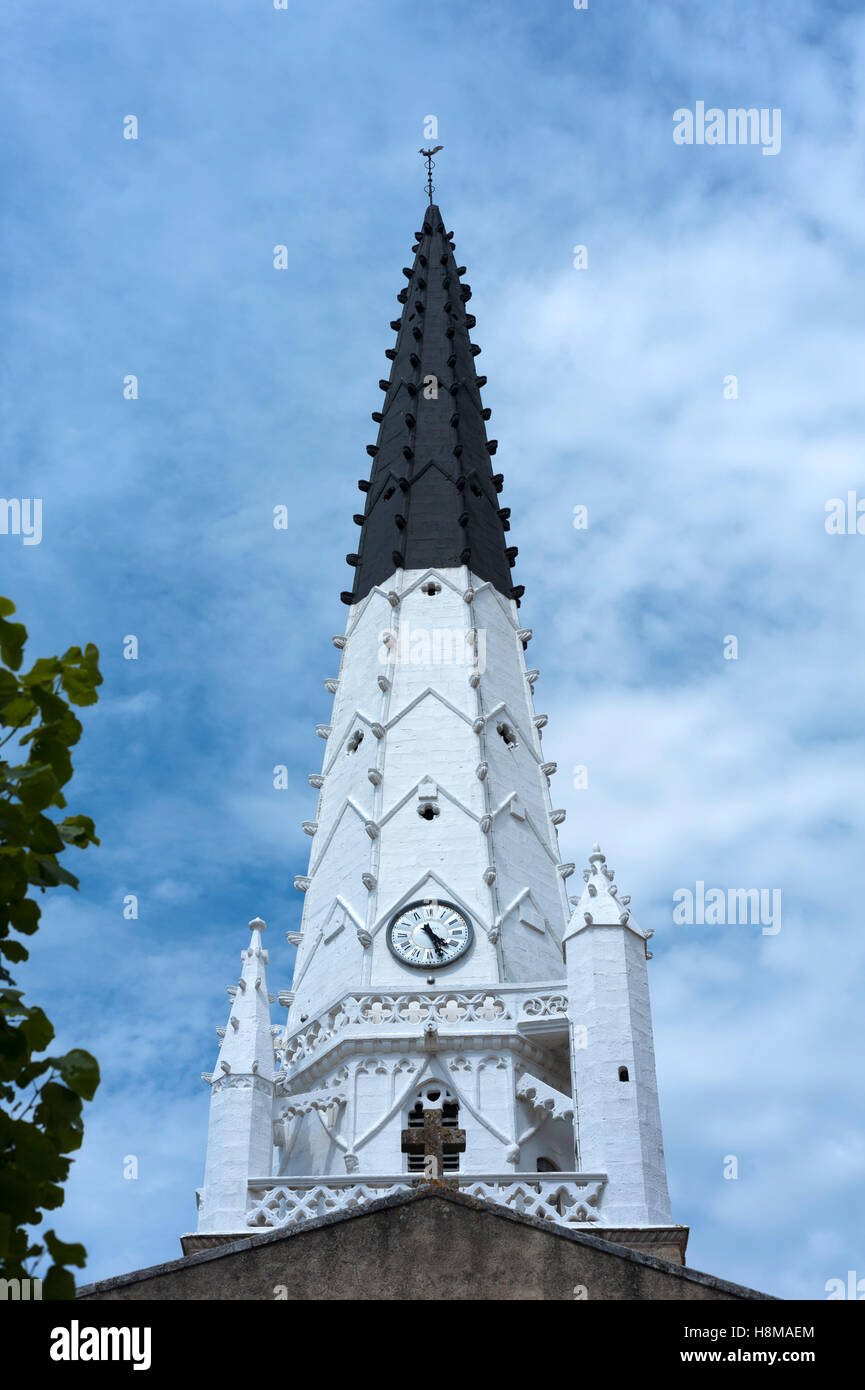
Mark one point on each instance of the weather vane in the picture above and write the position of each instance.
(430, 165)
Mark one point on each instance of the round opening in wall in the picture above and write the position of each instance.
(428, 811)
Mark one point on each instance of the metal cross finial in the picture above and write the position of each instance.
(430, 165)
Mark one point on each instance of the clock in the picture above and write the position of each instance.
(429, 933)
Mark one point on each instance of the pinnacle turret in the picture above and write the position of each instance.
(247, 1047)
(432, 499)
(601, 904)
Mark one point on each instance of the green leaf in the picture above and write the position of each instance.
(24, 915)
(78, 831)
(43, 672)
(80, 674)
(45, 872)
(30, 1072)
(64, 1254)
(56, 712)
(14, 824)
(59, 1111)
(37, 1029)
(58, 1284)
(18, 711)
(80, 1071)
(12, 639)
(15, 951)
(45, 837)
(13, 874)
(9, 687)
(36, 788)
(41, 1096)
(47, 748)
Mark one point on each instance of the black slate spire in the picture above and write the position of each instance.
(432, 497)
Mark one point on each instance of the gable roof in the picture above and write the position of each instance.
(431, 1243)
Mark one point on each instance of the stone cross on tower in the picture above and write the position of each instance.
(434, 1141)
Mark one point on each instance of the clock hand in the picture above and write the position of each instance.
(438, 941)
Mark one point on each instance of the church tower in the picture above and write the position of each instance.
(455, 1016)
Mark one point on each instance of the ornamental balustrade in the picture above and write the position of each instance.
(563, 1199)
(374, 1010)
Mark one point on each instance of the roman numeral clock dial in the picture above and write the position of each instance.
(429, 933)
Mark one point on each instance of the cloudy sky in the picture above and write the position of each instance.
(153, 257)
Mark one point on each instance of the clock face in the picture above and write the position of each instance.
(429, 934)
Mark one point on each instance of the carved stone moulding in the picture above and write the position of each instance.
(562, 1199)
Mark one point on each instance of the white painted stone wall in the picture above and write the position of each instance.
(367, 1035)
(240, 1132)
(424, 719)
(381, 1088)
(619, 1122)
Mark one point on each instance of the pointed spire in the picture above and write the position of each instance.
(247, 1048)
(432, 497)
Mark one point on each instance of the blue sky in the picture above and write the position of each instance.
(154, 257)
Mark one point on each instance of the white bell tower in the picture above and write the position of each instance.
(439, 967)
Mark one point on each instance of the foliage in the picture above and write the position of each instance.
(40, 1096)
